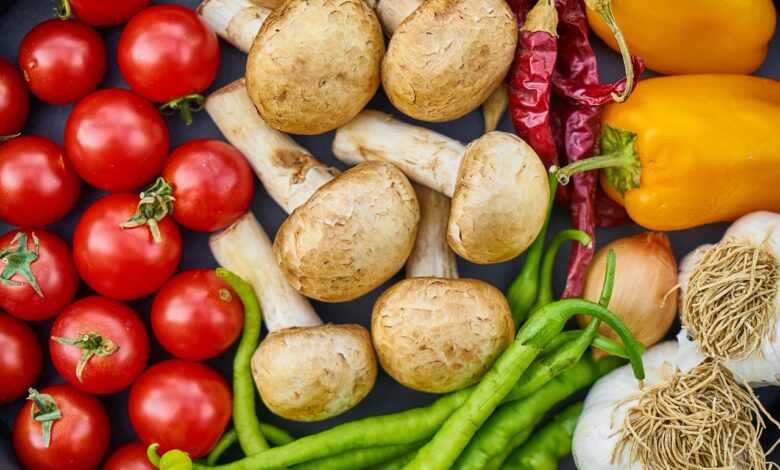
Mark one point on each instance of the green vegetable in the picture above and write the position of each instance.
(356, 459)
(540, 329)
(175, 460)
(397, 463)
(494, 437)
(525, 288)
(223, 444)
(548, 445)
(546, 294)
(250, 434)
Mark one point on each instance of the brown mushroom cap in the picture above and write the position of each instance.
(439, 335)
(354, 234)
(500, 200)
(315, 64)
(448, 56)
(314, 373)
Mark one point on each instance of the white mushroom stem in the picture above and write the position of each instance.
(431, 255)
(245, 249)
(235, 21)
(392, 12)
(425, 156)
(288, 171)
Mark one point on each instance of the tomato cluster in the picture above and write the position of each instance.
(124, 247)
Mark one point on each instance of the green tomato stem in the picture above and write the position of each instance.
(185, 106)
(91, 344)
(18, 259)
(156, 203)
(44, 411)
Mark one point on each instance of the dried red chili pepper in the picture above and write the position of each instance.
(529, 84)
(608, 212)
(577, 130)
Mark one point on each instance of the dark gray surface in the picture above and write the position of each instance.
(387, 396)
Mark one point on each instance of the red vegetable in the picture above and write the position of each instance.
(62, 61)
(61, 428)
(180, 405)
(124, 263)
(212, 184)
(116, 140)
(37, 274)
(38, 185)
(131, 456)
(102, 13)
(196, 315)
(20, 358)
(98, 345)
(14, 100)
(169, 55)
(578, 126)
(530, 86)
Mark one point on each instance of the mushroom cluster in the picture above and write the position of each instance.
(312, 67)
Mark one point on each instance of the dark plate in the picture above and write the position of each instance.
(387, 396)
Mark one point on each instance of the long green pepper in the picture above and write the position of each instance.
(549, 444)
(275, 435)
(357, 459)
(508, 428)
(250, 435)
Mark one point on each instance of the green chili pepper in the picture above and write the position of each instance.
(539, 330)
(550, 444)
(546, 294)
(356, 459)
(250, 434)
(524, 289)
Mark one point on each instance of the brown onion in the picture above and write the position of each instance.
(645, 293)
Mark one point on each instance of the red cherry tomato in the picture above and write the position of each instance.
(104, 13)
(131, 456)
(196, 315)
(212, 184)
(124, 263)
(167, 52)
(180, 405)
(99, 345)
(116, 140)
(39, 274)
(20, 358)
(37, 183)
(78, 439)
(14, 100)
(62, 61)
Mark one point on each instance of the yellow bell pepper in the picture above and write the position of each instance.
(689, 150)
(693, 36)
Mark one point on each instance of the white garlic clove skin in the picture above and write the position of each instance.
(762, 367)
(598, 429)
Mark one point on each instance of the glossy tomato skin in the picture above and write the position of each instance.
(20, 358)
(212, 183)
(55, 272)
(131, 456)
(62, 61)
(180, 405)
(79, 439)
(116, 140)
(196, 315)
(38, 185)
(102, 13)
(167, 52)
(113, 321)
(123, 264)
(14, 99)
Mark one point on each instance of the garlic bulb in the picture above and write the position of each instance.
(686, 414)
(730, 293)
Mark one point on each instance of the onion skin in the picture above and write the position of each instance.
(644, 296)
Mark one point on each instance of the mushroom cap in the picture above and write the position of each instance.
(439, 335)
(316, 372)
(500, 200)
(448, 56)
(315, 64)
(350, 237)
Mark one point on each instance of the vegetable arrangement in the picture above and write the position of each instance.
(503, 363)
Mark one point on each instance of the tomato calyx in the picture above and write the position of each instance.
(18, 259)
(91, 344)
(45, 411)
(63, 9)
(172, 460)
(5, 138)
(156, 203)
(185, 106)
